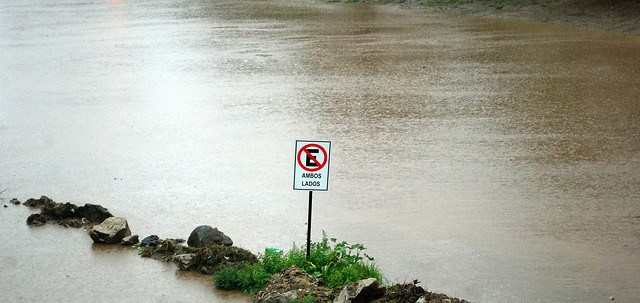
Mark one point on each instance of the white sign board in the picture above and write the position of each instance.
(311, 165)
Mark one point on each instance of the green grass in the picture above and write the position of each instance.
(305, 299)
(337, 263)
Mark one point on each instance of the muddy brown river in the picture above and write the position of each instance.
(493, 160)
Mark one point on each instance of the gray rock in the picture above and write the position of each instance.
(152, 240)
(286, 297)
(110, 231)
(205, 235)
(130, 240)
(184, 261)
(93, 212)
(360, 292)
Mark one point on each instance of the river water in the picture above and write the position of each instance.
(493, 160)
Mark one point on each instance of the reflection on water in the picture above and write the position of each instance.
(496, 161)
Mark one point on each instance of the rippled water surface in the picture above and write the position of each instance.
(494, 161)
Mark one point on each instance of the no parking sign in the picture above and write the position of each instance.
(311, 170)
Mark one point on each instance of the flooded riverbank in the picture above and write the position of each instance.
(493, 160)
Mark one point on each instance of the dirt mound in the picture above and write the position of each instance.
(294, 279)
(411, 293)
(206, 260)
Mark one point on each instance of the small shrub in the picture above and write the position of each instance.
(337, 266)
(250, 279)
(227, 278)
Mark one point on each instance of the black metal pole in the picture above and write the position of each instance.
(309, 226)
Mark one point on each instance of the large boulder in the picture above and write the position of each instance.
(93, 212)
(205, 235)
(110, 231)
(362, 291)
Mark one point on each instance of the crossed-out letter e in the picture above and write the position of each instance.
(309, 162)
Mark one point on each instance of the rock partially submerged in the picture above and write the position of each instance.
(62, 213)
(110, 231)
(152, 240)
(205, 235)
(130, 240)
(93, 212)
(36, 220)
(66, 214)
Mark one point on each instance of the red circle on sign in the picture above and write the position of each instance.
(304, 149)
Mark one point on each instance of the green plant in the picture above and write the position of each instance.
(227, 278)
(337, 266)
(250, 278)
(305, 299)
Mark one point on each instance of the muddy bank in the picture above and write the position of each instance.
(293, 284)
(609, 16)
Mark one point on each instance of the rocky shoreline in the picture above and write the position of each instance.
(606, 16)
(208, 250)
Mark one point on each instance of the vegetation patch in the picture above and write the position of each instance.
(333, 263)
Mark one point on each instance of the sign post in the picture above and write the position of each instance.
(311, 172)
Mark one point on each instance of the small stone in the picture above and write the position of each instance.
(152, 240)
(611, 298)
(184, 261)
(5, 206)
(130, 240)
(15, 201)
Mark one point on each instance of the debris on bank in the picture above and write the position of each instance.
(208, 250)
